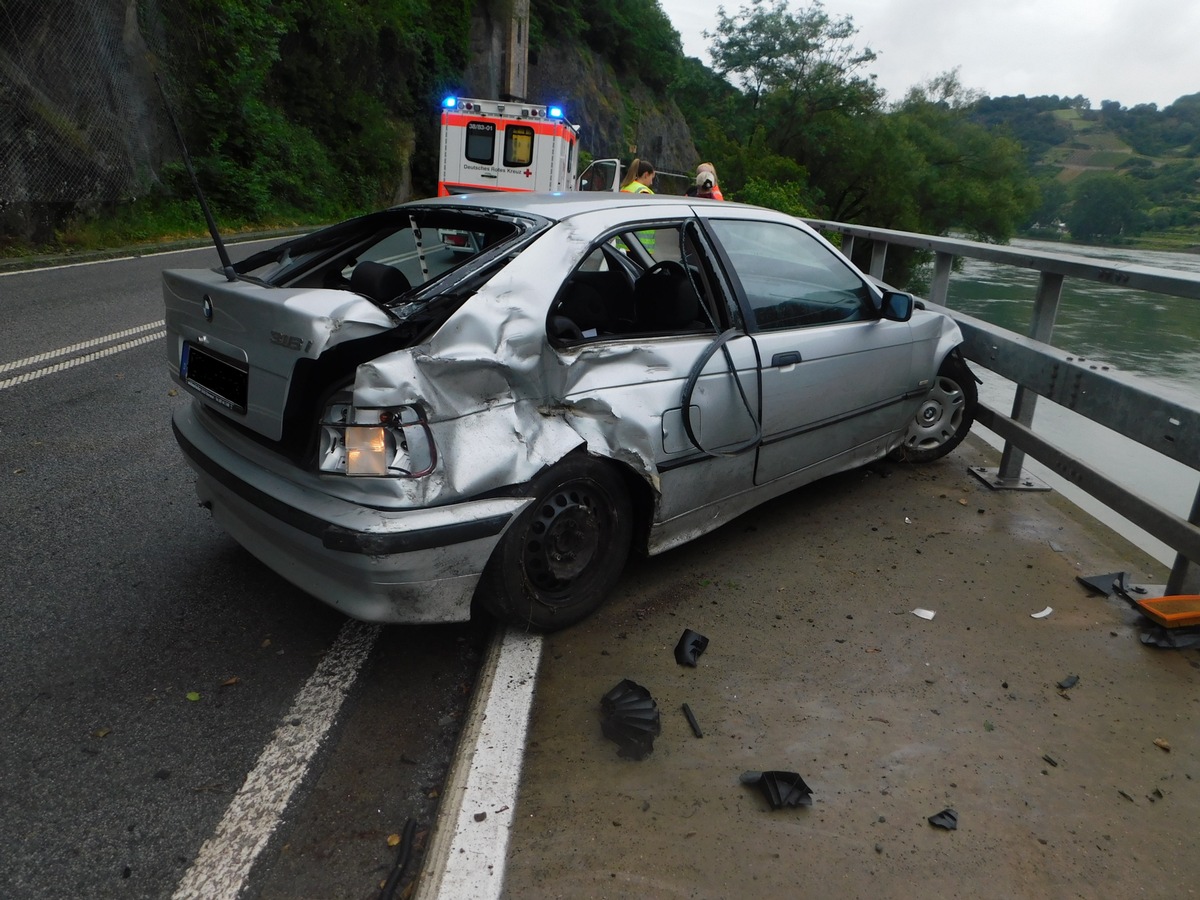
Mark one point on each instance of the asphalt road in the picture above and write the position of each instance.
(147, 661)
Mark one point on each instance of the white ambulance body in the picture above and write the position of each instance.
(493, 145)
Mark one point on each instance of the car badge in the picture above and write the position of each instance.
(208, 308)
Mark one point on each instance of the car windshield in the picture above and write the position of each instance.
(422, 244)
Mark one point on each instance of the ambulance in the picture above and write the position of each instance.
(497, 145)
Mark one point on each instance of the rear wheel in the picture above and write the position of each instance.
(558, 561)
(944, 416)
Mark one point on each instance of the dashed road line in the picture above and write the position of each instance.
(75, 348)
(223, 865)
(27, 377)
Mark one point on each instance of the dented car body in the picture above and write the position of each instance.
(486, 401)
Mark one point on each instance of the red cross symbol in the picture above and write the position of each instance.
(528, 173)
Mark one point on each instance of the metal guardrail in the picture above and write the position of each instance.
(1125, 404)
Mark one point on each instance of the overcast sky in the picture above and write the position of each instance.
(1131, 51)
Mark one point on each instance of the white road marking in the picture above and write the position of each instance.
(147, 255)
(223, 865)
(75, 348)
(467, 863)
(79, 360)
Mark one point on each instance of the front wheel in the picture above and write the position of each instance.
(557, 562)
(944, 416)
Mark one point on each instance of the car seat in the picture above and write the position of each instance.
(379, 282)
(664, 299)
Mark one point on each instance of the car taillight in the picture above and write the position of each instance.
(387, 441)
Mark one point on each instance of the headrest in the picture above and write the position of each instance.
(664, 300)
(379, 282)
(584, 305)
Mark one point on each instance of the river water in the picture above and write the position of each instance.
(1148, 335)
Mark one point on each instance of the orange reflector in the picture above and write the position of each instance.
(1172, 612)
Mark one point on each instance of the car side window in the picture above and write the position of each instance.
(789, 278)
(645, 282)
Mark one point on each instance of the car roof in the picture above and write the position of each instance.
(565, 204)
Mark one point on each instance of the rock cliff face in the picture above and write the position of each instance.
(79, 112)
(82, 124)
(622, 119)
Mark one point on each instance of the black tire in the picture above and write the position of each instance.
(558, 561)
(944, 416)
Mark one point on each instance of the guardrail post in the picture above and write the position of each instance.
(878, 257)
(1012, 458)
(1045, 311)
(943, 263)
(1185, 574)
(848, 245)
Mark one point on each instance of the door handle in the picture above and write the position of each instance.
(488, 175)
(785, 359)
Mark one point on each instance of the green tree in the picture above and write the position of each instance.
(807, 98)
(801, 72)
(968, 177)
(1053, 197)
(1104, 206)
(311, 105)
(637, 37)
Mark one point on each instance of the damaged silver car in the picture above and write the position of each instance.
(485, 402)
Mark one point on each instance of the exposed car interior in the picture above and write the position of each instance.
(635, 283)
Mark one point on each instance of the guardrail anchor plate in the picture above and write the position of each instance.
(1024, 482)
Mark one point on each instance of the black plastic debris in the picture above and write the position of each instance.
(780, 788)
(1171, 638)
(689, 648)
(947, 819)
(1104, 584)
(687, 711)
(1069, 682)
(630, 720)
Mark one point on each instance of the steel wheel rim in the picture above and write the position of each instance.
(565, 537)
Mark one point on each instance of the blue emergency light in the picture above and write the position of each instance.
(555, 112)
(450, 103)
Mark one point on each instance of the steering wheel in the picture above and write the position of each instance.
(675, 269)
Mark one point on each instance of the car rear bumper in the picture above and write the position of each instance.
(410, 566)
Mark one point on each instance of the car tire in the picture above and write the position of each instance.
(944, 416)
(562, 555)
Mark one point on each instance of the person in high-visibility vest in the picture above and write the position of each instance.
(638, 177)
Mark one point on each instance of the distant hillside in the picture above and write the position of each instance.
(1091, 146)
(1137, 169)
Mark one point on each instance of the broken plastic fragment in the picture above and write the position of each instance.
(1041, 615)
(1103, 584)
(924, 613)
(689, 648)
(630, 720)
(780, 788)
(1069, 682)
(1171, 638)
(687, 711)
(947, 819)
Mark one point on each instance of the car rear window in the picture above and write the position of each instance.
(422, 243)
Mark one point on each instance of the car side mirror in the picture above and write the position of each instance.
(897, 306)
